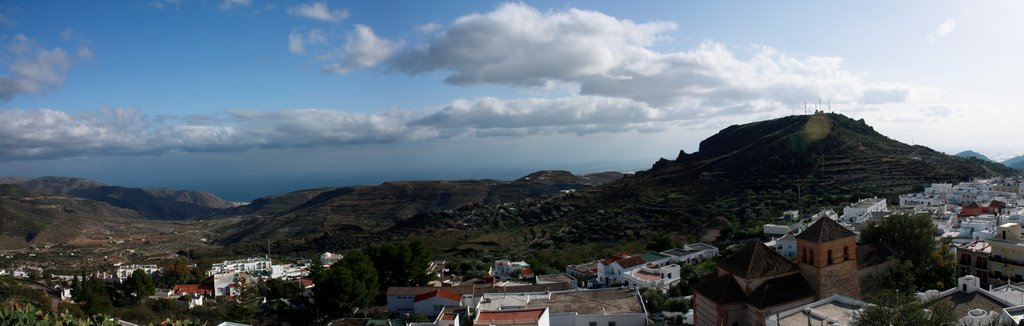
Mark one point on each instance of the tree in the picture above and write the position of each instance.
(139, 284)
(912, 237)
(350, 283)
(401, 264)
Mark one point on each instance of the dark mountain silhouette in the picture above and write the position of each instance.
(164, 204)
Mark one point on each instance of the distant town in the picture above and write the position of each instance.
(806, 269)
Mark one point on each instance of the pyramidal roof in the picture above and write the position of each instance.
(756, 261)
(825, 230)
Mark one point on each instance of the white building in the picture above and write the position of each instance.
(431, 303)
(786, 245)
(653, 276)
(775, 230)
(504, 268)
(825, 213)
(692, 253)
(939, 188)
(606, 307)
(242, 265)
(861, 211)
(125, 271)
(612, 269)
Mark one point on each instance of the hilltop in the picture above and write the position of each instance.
(970, 154)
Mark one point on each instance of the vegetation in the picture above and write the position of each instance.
(349, 284)
(912, 238)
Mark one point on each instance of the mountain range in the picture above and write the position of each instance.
(1016, 162)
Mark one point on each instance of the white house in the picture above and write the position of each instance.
(825, 213)
(125, 271)
(653, 276)
(861, 211)
(786, 245)
(242, 265)
(431, 303)
(190, 301)
(610, 270)
(692, 253)
(504, 269)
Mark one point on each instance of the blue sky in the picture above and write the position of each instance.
(250, 97)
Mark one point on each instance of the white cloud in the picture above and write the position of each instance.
(605, 56)
(47, 133)
(7, 20)
(84, 52)
(945, 28)
(363, 49)
(32, 68)
(296, 44)
(229, 4)
(319, 11)
(298, 41)
(429, 28)
(161, 4)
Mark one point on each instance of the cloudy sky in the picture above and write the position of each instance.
(252, 97)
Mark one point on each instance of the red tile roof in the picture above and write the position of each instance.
(306, 282)
(191, 288)
(499, 317)
(438, 293)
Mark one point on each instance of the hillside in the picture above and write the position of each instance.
(30, 217)
(375, 208)
(741, 177)
(164, 204)
(1016, 162)
(970, 154)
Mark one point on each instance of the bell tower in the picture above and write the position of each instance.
(827, 256)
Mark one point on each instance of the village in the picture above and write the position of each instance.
(806, 270)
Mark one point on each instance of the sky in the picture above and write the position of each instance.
(247, 98)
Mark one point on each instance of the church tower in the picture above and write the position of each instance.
(827, 256)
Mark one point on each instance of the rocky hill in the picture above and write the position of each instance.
(741, 177)
(375, 208)
(28, 217)
(164, 204)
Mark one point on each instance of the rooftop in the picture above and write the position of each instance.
(509, 317)
(824, 230)
(977, 246)
(835, 311)
(610, 301)
(756, 261)
(652, 256)
(962, 302)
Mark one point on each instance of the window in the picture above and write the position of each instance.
(611, 323)
(846, 253)
(593, 323)
(829, 257)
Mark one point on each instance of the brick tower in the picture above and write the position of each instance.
(827, 256)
